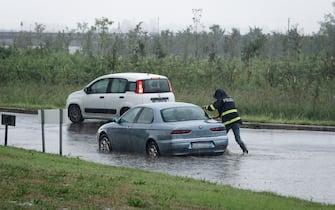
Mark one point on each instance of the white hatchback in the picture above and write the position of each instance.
(112, 95)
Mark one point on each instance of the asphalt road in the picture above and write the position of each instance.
(288, 162)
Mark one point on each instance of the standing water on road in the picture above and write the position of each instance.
(290, 163)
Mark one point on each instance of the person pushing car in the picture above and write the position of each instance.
(225, 106)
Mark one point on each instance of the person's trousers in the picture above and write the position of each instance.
(236, 130)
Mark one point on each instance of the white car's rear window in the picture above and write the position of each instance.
(156, 86)
(152, 86)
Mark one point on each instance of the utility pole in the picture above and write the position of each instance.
(197, 14)
(158, 25)
(288, 25)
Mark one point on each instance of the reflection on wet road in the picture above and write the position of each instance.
(292, 163)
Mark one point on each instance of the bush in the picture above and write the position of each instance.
(290, 89)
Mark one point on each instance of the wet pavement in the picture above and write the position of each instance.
(290, 163)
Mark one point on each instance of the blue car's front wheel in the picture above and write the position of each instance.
(104, 143)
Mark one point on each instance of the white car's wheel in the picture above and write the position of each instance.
(74, 113)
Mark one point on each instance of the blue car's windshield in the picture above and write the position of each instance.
(183, 114)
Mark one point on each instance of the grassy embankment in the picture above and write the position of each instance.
(34, 180)
(38, 96)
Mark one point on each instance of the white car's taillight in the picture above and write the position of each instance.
(170, 86)
(139, 87)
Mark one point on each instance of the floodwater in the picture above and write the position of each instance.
(289, 163)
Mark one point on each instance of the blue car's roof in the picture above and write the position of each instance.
(164, 105)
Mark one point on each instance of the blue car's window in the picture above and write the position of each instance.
(146, 116)
(131, 114)
(183, 114)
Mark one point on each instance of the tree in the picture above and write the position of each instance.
(233, 43)
(327, 32)
(102, 27)
(85, 34)
(62, 41)
(137, 42)
(158, 48)
(23, 40)
(167, 40)
(253, 44)
(185, 38)
(215, 36)
(294, 42)
(39, 29)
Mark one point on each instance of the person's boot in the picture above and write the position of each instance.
(244, 148)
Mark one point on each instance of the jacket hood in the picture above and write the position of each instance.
(220, 94)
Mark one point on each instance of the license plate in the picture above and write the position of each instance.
(159, 100)
(202, 145)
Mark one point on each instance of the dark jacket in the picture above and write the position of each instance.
(225, 106)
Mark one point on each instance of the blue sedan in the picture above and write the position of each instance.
(172, 128)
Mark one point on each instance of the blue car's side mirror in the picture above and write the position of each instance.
(116, 120)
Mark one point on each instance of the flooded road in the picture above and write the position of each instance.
(290, 163)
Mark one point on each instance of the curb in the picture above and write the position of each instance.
(18, 110)
(257, 125)
(253, 125)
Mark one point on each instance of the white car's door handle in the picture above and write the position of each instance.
(102, 97)
(121, 97)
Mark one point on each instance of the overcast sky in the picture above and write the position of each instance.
(270, 15)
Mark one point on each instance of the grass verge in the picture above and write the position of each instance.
(36, 96)
(34, 180)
